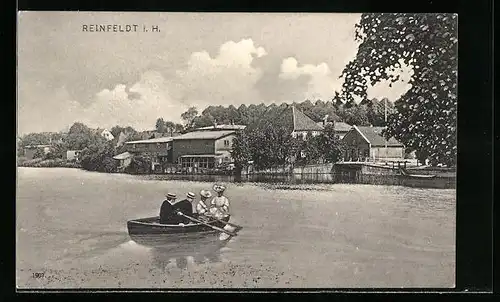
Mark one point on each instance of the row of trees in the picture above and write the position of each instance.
(96, 152)
(368, 112)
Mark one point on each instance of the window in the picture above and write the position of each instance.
(226, 143)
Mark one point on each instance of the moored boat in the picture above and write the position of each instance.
(423, 176)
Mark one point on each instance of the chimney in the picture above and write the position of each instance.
(325, 119)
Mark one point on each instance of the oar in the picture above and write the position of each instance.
(213, 227)
(228, 223)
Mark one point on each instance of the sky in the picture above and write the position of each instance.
(103, 79)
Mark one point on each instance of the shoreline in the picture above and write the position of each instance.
(294, 181)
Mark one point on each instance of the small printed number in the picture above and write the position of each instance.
(37, 275)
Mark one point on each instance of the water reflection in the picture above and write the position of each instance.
(170, 250)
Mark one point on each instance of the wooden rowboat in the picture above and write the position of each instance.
(421, 176)
(152, 226)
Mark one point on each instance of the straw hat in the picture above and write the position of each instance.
(205, 193)
(191, 195)
(219, 188)
(171, 195)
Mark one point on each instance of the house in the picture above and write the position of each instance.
(107, 134)
(124, 159)
(341, 128)
(159, 150)
(104, 133)
(73, 155)
(203, 149)
(299, 124)
(31, 151)
(368, 144)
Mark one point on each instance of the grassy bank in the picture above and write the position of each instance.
(46, 163)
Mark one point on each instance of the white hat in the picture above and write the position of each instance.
(191, 195)
(219, 188)
(171, 195)
(205, 193)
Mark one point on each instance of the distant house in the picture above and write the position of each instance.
(73, 155)
(368, 144)
(299, 124)
(31, 150)
(158, 149)
(107, 134)
(124, 159)
(341, 128)
(203, 149)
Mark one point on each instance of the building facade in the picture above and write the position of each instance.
(73, 155)
(159, 150)
(368, 144)
(124, 159)
(198, 150)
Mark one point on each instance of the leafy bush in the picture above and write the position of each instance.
(139, 165)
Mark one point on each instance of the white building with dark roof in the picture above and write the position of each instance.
(203, 149)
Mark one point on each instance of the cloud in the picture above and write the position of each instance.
(322, 82)
(138, 105)
(228, 78)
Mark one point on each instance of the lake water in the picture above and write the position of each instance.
(71, 227)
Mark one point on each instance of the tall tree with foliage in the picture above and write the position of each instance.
(330, 145)
(426, 114)
(241, 150)
(189, 116)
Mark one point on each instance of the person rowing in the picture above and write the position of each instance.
(185, 207)
(219, 206)
(167, 210)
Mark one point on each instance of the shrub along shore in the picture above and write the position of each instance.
(46, 163)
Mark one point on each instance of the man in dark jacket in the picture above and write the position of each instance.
(167, 211)
(185, 207)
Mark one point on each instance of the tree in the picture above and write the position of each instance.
(160, 125)
(98, 156)
(139, 165)
(425, 120)
(330, 145)
(189, 115)
(241, 150)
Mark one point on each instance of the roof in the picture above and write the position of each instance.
(222, 127)
(341, 126)
(204, 135)
(302, 122)
(123, 155)
(36, 146)
(152, 140)
(203, 155)
(374, 136)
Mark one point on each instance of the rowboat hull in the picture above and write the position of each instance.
(151, 226)
(421, 176)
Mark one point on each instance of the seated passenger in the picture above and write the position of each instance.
(202, 207)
